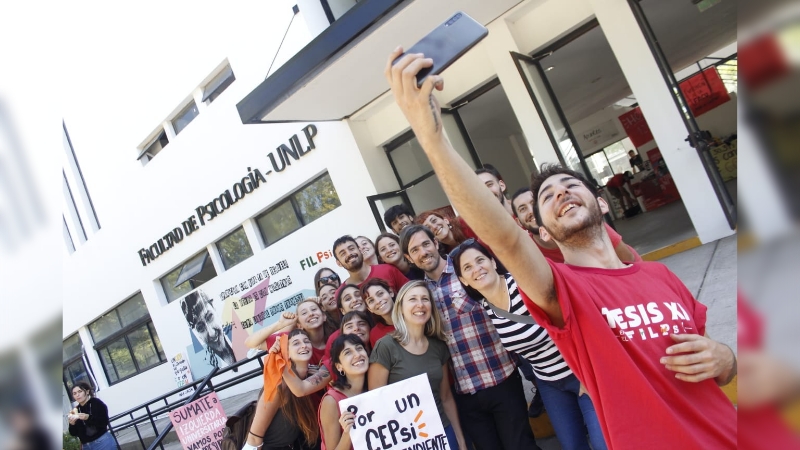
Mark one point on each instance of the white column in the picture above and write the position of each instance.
(641, 71)
(498, 44)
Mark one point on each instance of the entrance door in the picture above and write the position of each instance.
(558, 129)
(379, 203)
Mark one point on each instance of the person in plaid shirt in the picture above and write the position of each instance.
(488, 387)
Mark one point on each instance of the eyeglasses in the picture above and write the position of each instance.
(329, 278)
(459, 248)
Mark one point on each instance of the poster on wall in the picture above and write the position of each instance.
(636, 127)
(598, 135)
(221, 318)
(704, 91)
(401, 415)
(200, 424)
(183, 374)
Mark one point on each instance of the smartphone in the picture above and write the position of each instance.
(446, 43)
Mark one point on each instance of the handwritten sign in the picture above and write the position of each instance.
(182, 372)
(200, 424)
(402, 415)
(704, 91)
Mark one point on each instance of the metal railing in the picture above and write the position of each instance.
(151, 410)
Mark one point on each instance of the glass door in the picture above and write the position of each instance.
(558, 129)
(379, 203)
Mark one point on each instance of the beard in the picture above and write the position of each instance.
(581, 234)
(356, 265)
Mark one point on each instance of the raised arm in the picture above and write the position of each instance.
(468, 195)
(258, 339)
(314, 383)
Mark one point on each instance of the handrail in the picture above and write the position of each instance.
(201, 387)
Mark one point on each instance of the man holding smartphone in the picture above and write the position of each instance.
(632, 333)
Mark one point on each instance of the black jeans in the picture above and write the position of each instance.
(497, 417)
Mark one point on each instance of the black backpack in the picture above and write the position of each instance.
(237, 427)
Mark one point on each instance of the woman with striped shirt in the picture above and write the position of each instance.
(569, 407)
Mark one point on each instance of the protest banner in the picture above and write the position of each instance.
(200, 424)
(400, 416)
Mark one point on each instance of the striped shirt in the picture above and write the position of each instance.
(479, 359)
(529, 341)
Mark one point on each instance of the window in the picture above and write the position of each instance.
(408, 160)
(152, 148)
(234, 248)
(218, 85)
(126, 340)
(75, 370)
(188, 276)
(185, 117)
(306, 205)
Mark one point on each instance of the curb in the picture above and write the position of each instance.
(673, 249)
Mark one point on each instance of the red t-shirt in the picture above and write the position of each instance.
(616, 329)
(386, 272)
(761, 426)
(326, 359)
(616, 181)
(378, 331)
(555, 255)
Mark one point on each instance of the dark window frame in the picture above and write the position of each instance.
(295, 208)
(190, 280)
(80, 356)
(218, 85)
(216, 245)
(189, 106)
(123, 333)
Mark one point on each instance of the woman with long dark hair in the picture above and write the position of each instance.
(367, 249)
(350, 362)
(287, 421)
(570, 409)
(89, 420)
(417, 346)
(379, 298)
(326, 297)
(388, 248)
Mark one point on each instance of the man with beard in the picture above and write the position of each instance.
(522, 205)
(632, 333)
(491, 177)
(348, 255)
(488, 388)
(199, 313)
(398, 217)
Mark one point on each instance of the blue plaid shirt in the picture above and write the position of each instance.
(479, 359)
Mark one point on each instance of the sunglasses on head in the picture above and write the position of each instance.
(328, 279)
(459, 248)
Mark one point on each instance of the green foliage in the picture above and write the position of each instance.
(71, 442)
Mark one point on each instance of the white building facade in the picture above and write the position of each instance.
(239, 187)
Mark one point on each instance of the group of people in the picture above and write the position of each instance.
(429, 297)
(616, 345)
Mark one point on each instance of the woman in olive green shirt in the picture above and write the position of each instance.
(416, 347)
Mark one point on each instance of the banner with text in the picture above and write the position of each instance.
(400, 416)
(200, 424)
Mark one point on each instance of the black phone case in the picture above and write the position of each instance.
(446, 43)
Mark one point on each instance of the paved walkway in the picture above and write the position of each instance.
(708, 271)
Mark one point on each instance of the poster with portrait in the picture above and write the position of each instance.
(219, 323)
(400, 415)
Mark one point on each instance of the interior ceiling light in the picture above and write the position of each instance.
(549, 68)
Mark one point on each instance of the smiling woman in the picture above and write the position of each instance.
(416, 347)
